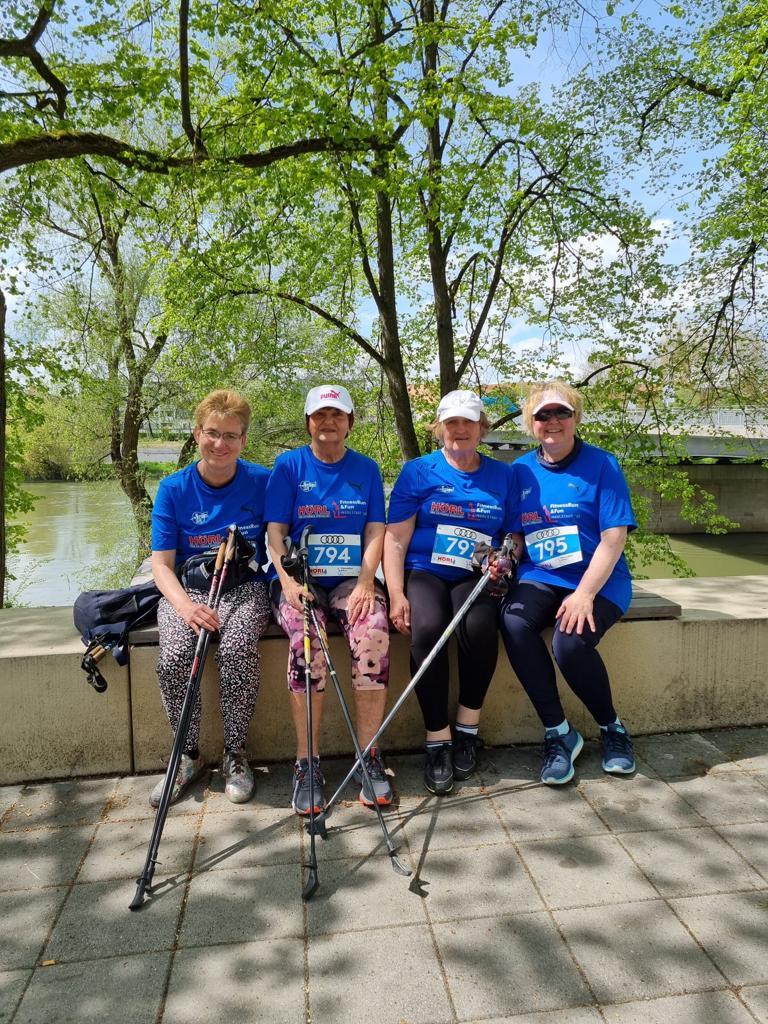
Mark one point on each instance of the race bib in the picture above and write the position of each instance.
(334, 554)
(454, 546)
(554, 546)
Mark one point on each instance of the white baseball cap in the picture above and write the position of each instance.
(551, 398)
(459, 403)
(325, 395)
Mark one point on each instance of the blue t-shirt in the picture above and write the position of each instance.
(563, 510)
(454, 510)
(336, 500)
(190, 516)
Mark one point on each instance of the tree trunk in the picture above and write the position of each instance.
(3, 416)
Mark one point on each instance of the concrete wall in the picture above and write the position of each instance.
(703, 670)
(740, 491)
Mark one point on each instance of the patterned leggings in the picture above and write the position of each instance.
(368, 638)
(244, 614)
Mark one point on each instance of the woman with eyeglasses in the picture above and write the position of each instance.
(191, 514)
(574, 516)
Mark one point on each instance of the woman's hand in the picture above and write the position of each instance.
(575, 610)
(295, 593)
(361, 601)
(199, 616)
(400, 613)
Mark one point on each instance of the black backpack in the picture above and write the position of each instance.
(104, 618)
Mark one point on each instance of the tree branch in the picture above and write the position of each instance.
(26, 48)
(192, 133)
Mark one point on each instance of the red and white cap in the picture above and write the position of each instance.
(328, 395)
(551, 398)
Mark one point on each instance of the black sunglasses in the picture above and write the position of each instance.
(560, 413)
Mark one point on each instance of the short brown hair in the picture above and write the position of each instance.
(223, 403)
(535, 393)
(437, 428)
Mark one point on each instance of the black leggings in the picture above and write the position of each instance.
(434, 602)
(526, 610)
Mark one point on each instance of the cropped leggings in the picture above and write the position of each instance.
(434, 601)
(244, 614)
(368, 637)
(527, 609)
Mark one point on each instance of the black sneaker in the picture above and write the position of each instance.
(464, 754)
(438, 769)
(300, 799)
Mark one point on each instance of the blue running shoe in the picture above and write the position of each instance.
(559, 754)
(618, 755)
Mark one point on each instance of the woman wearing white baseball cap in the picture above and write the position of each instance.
(442, 505)
(338, 494)
(575, 513)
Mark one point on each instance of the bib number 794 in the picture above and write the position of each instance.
(334, 554)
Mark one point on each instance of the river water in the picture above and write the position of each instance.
(81, 537)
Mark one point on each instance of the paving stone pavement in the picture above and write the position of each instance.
(621, 900)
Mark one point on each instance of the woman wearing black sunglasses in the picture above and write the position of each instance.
(574, 516)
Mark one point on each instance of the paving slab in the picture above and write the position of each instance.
(389, 976)
(639, 804)
(585, 871)
(32, 858)
(25, 921)
(238, 840)
(75, 802)
(273, 790)
(361, 893)
(751, 841)
(12, 984)
(733, 929)
(690, 861)
(452, 820)
(747, 747)
(130, 800)
(121, 990)
(580, 1015)
(354, 831)
(505, 965)
(476, 881)
(96, 922)
(697, 1008)
(8, 797)
(534, 811)
(119, 850)
(725, 799)
(243, 905)
(640, 950)
(238, 984)
(683, 754)
(756, 998)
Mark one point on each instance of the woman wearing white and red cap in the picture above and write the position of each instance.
(574, 513)
(337, 493)
(441, 506)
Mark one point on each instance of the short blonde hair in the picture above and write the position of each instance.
(223, 403)
(535, 393)
(437, 429)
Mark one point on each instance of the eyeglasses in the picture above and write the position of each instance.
(560, 413)
(215, 435)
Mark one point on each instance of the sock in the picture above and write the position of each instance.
(617, 722)
(433, 744)
(194, 753)
(471, 729)
(561, 729)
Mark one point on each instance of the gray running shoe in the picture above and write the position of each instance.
(189, 770)
(382, 790)
(300, 798)
(239, 783)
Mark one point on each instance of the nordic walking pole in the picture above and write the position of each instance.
(319, 824)
(224, 559)
(505, 550)
(312, 883)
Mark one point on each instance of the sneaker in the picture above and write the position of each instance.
(300, 798)
(559, 754)
(239, 783)
(464, 754)
(618, 755)
(382, 791)
(438, 769)
(189, 770)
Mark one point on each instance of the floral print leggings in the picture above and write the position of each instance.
(368, 638)
(244, 614)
